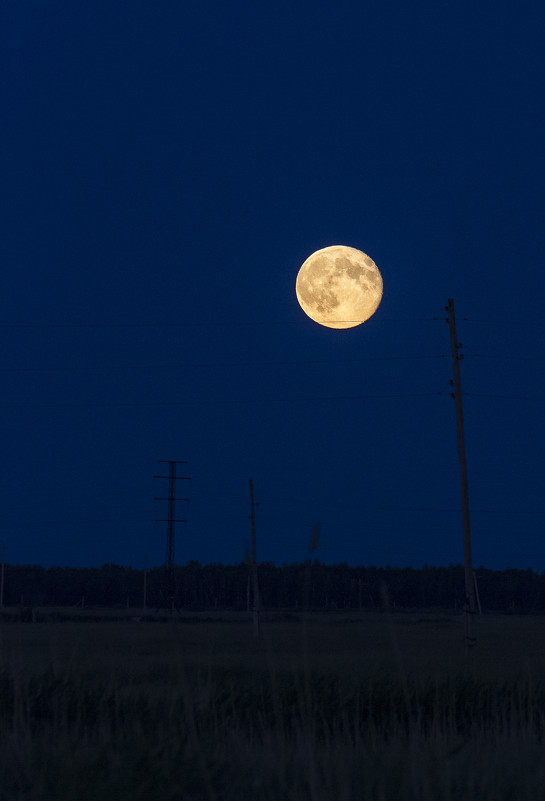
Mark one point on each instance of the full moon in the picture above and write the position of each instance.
(339, 287)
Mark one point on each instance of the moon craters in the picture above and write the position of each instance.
(339, 286)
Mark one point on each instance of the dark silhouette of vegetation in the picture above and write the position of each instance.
(219, 586)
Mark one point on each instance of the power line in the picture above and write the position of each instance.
(473, 355)
(201, 401)
(506, 397)
(208, 324)
(245, 323)
(352, 507)
(81, 520)
(148, 515)
(500, 322)
(79, 368)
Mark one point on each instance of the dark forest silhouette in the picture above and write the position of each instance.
(311, 585)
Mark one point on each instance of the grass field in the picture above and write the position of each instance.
(327, 708)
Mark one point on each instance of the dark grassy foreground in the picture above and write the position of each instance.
(340, 708)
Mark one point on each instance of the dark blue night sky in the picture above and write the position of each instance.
(167, 168)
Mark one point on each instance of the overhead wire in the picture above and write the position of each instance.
(359, 507)
(222, 323)
(200, 401)
(509, 358)
(205, 324)
(250, 323)
(185, 365)
(538, 398)
(148, 515)
(503, 321)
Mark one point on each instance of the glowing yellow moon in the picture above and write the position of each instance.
(339, 287)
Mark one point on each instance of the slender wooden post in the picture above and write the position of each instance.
(469, 606)
(477, 593)
(145, 599)
(254, 563)
(2, 580)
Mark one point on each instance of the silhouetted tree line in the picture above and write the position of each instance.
(311, 585)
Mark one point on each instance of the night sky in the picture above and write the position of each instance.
(167, 169)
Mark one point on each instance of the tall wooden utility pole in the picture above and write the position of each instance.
(254, 563)
(469, 606)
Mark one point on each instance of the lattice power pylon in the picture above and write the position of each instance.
(169, 590)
